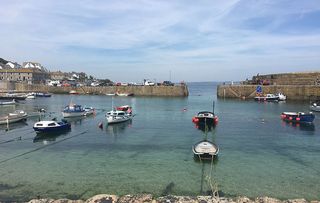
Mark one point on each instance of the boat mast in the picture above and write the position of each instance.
(213, 107)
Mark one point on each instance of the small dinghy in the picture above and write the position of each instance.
(298, 117)
(50, 126)
(268, 97)
(16, 116)
(89, 111)
(13, 102)
(205, 150)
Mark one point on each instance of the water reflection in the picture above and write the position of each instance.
(118, 128)
(47, 138)
(13, 126)
(205, 127)
(301, 126)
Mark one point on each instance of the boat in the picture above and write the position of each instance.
(205, 150)
(73, 92)
(281, 96)
(13, 102)
(124, 94)
(42, 94)
(31, 95)
(111, 94)
(267, 97)
(73, 110)
(50, 126)
(315, 106)
(89, 110)
(16, 116)
(116, 116)
(298, 117)
(125, 108)
(15, 96)
(204, 118)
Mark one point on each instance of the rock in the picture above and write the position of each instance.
(41, 201)
(103, 199)
(267, 200)
(141, 198)
(296, 201)
(243, 200)
(177, 199)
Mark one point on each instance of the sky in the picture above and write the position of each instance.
(181, 40)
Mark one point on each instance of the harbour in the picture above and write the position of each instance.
(259, 154)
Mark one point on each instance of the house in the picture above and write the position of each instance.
(28, 75)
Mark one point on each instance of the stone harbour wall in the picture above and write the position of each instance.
(172, 91)
(293, 92)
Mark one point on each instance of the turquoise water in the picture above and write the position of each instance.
(259, 154)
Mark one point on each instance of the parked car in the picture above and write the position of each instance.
(167, 83)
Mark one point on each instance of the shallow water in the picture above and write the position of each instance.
(259, 154)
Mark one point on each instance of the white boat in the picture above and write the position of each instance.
(268, 97)
(124, 94)
(50, 126)
(281, 96)
(315, 106)
(13, 102)
(31, 95)
(116, 116)
(73, 110)
(89, 110)
(111, 94)
(16, 116)
(205, 149)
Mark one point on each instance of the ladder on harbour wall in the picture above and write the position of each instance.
(237, 93)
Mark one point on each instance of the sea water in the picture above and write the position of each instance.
(260, 155)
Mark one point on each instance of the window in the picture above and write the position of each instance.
(51, 124)
(39, 124)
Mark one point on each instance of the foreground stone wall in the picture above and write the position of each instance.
(293, 92)
(147, 198)
(178, 90)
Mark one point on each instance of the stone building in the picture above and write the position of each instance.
(58, 75)
(27, 75)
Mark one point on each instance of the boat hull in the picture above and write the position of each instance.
(205, 150)
(65, 126)
(273, 99)
(12, 120)
(298, 117)
(315, 108)
(13, 97)
(73, 114)
(112, 120)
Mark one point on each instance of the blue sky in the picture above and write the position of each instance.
(130, 40)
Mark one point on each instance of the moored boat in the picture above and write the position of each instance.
(73, 92)
(124, 94)
(13, 102)
(116, 116)
(205, 149)
(50, 126)
(73, 110)
(298, 117)
(42, 94)
(89, 110)
(16, 116)
(125, 108)
(15, 96)
(205, 118)
(267, 97)
(315, 106)
(281, 96)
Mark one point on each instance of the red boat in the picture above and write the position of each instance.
(125, 108)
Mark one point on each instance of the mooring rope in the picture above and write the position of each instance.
(42, 147)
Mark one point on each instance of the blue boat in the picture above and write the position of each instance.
(41, 94)
(50, 126)
(298, 117)
(73, 110)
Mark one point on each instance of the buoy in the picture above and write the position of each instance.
(298, 119)
(100, 125)
(185, 109)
